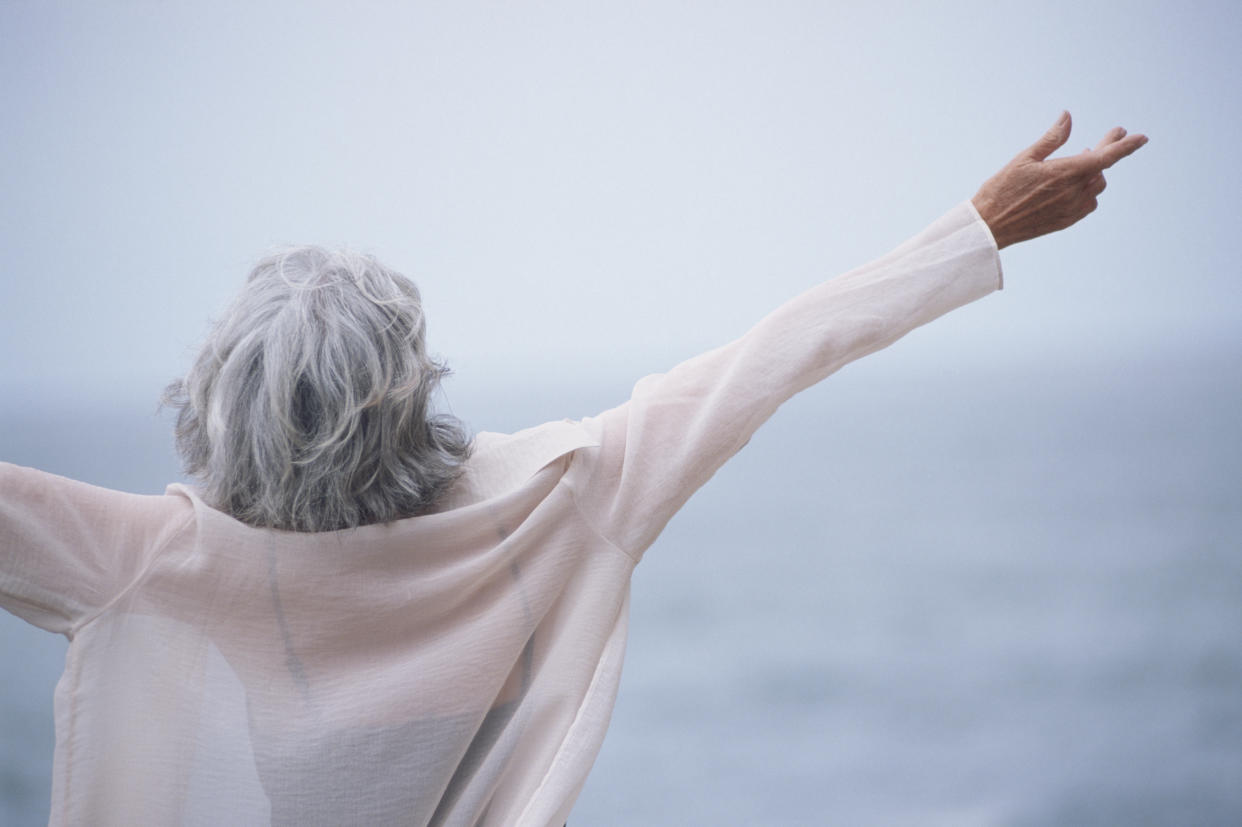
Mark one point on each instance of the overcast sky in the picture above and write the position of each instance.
(595, 189)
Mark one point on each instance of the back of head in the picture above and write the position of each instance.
(308, 408)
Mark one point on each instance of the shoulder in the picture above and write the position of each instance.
(500, 463)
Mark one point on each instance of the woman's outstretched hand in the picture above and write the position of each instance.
(1032, 196)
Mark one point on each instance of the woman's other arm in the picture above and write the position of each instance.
(69, 549)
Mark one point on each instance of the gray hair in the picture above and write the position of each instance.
(308, 406)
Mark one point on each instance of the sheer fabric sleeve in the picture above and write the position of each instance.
(678, 428)
(68, 549)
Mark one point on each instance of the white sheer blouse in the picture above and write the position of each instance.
(455, 668)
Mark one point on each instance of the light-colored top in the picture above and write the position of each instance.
(454, 668)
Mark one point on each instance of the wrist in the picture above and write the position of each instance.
(990, 215)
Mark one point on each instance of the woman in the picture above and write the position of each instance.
(361, 616)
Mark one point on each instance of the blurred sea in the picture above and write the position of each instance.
(940, 596)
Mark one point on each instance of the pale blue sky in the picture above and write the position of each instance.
(596, 188)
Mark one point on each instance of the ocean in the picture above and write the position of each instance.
(925, 596)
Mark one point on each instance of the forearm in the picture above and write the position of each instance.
(680, 427)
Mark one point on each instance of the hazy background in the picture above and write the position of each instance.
(1003, 581)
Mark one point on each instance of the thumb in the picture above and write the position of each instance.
(1052, 140)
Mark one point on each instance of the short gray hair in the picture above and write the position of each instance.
(308, 407)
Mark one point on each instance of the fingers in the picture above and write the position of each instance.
(1107, 152)
(1114, 134)
(1052, 140)
(1117, 150)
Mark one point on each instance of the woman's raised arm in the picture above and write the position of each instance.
(678, 428)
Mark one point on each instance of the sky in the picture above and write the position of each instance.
(589, 192)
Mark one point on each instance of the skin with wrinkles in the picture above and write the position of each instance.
(1033, 196)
